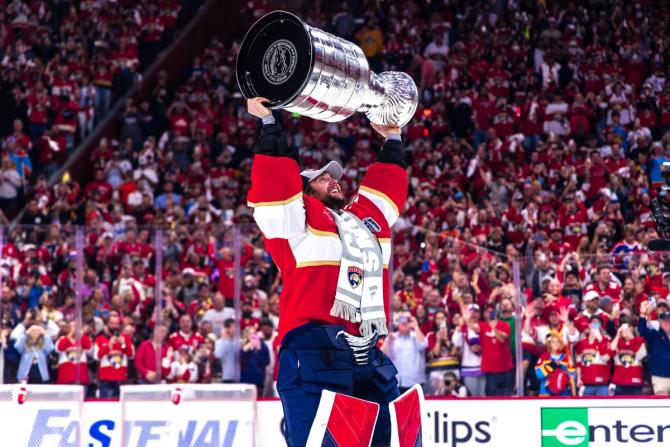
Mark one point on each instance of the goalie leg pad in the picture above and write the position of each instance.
(313, 359)
(407, 413)
(343, 421)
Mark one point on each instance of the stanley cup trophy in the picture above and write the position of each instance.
(313, 73)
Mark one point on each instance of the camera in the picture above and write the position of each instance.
(665, 172)
(661, 214)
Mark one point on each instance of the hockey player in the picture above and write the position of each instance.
(333, 259)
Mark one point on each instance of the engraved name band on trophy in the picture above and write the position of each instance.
(305, 70)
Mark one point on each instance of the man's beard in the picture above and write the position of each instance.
(334, 203)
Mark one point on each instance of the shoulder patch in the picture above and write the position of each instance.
(372, 225)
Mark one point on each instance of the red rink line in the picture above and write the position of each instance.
(576, 398)
(551, 398)
(116, 399)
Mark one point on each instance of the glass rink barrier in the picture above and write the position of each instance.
(490, 309)
(112, 306)
(108, 305)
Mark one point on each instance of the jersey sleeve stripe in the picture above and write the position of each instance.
(317, 263)
(316, 232)
(381, 195)
(309, 248)
(383, 202)
(281, 221)
(275, 203)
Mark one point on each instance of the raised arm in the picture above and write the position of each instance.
(501, 332)
(386, 181)
(276, 186)
(642, 327)
(20, 344)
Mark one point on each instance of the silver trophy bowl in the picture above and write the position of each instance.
(313, 73)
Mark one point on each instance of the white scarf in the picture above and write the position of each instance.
(360, 292)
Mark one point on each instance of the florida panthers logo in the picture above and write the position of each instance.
(626, 360)
(279, 62)
(355, 276)
(116, 360)
(73, 355)
(588, 358)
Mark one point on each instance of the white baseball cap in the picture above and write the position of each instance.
(591, 295)
(333, 168)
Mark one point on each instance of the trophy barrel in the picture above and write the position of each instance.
(313, 73)
(275, 59)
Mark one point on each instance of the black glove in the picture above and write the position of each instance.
(273, 142)
(392, 153)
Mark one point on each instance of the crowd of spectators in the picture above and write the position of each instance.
(538, 143)
(62, 66)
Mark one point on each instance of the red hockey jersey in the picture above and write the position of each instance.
(71, 358)
(593, 361)
(301, 234)
(113, 357)
(628, 362)
(177, 339)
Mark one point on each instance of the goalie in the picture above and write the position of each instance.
(333, 259)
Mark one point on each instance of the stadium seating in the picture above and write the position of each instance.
(538, 143)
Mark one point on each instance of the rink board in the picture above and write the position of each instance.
(462, 423)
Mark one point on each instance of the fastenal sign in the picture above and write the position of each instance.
(605, 426)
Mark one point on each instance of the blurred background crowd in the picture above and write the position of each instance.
(534, 153)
